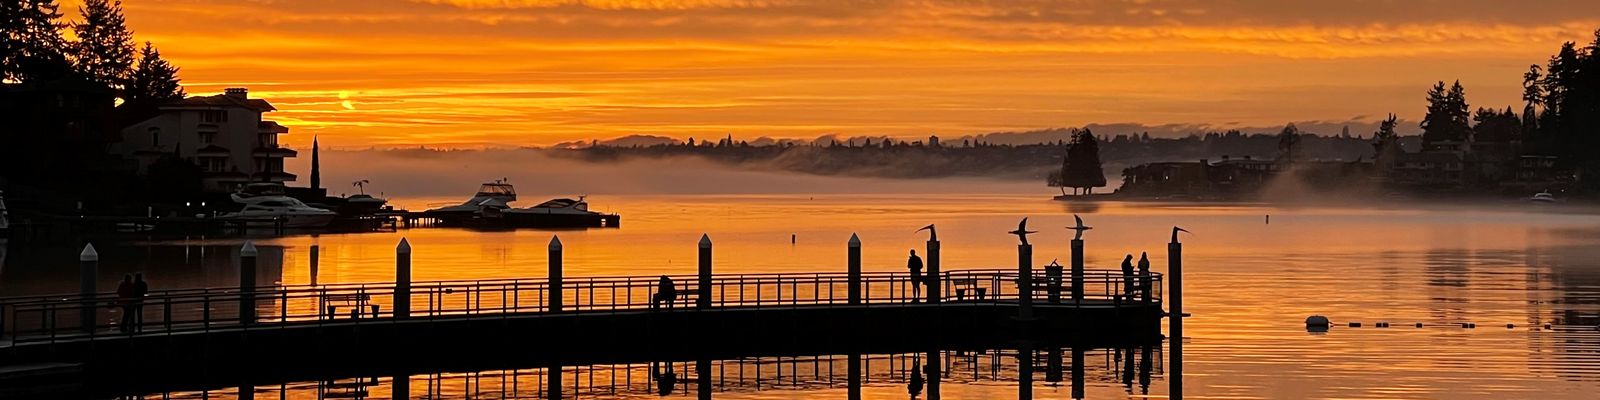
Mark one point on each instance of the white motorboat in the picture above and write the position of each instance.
(493, 195)
(273, 210)
(1543, 197)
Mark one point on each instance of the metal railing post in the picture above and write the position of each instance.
(88, 271)
(402, 279)
(853, 268)
(704, 289)
(247, 283)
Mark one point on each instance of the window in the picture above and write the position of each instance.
(155, 137)
(214, 116)
(268, 140)
(207, 137)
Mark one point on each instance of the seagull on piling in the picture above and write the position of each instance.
(1175, 231)
(932, 234)
(1022, 230)
(1079, 227)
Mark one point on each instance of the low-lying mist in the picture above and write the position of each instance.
(447, 173)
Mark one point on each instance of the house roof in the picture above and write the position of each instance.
(221, 100)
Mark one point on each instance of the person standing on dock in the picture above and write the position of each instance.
(1127, 278)
(914, 264)
(140, 289)
(1144, 276)
(665, 293)
(125, 300)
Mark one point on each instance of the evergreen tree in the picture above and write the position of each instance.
(31, 42)
(1082, 169)
(1448, 118)
(104, 50)
(1288, 143)
(154, 80)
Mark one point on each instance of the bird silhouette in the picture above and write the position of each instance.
(1079, 227)
(932, 234)
(1022, 230)
(1175, 231)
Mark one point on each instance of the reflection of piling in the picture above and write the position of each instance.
(1025, 281)
(402, 279)
(400, 387)
(247, 283)
(1025, 372)
(1052, 369)
(932, 367)
(555, 276)
(703, 298)
(88, 272)
(853, 268)
(935, 279)
(1175, 293)
(552, 380)
(1077, 373)
(854, 382)
(1077, 271)
(702, 378)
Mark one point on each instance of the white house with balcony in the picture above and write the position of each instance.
(222, 134)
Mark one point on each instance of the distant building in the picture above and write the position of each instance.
(222, 134)
(933, 141)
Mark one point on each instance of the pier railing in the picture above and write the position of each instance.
(50, 318)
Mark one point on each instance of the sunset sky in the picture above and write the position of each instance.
(535, 72)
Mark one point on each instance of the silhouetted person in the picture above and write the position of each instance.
(141, 288)
(914, 388)
(666, 380)
(914, 264)
(1144, 275)
(1127, 368)
(1127, 277)
(666, 293)
(1144, 369)
(125, 300)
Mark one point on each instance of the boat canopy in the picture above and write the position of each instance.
(498, 190)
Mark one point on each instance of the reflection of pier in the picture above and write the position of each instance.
(393, 328)
(1133, 367)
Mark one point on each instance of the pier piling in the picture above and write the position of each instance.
(555, 274)
(853, 268)
(247, 283)
(703, 288)
(853, 383)
(1175, 293)
(316, 258)
(702, 378)
(935, 282)
(402, 279)
(88, 272)
(1025, 281)
(1077, 272)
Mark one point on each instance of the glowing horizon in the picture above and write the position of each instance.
(474, 73)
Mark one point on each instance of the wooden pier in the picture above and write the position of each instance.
(412, 326)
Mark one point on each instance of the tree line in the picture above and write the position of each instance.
(33, 48)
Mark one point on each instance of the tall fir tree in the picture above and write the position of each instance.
(1448, 118)
(31, 42)
(154, 80)
(104, 52)
(1082, 169)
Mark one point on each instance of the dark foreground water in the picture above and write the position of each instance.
(1249, 286)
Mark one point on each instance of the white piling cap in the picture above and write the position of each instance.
(249, 249)
(404, 247)
(705, 241)
(555, 242)
(88, 253)
(855, 241)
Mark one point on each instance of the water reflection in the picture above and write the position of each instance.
(915, 375)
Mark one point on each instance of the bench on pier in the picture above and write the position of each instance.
(356, 302)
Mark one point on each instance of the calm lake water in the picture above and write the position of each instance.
(1249, 285)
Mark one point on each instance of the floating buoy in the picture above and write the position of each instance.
(1419, 324)
(1463, 325)
(1547, 327)
(1510, 326)
(1355, 324)
(1382, 324)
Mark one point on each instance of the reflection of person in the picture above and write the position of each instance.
(125, 300)
(914, 264)
(665, 293)
(141, 288)
(665, 380)
(914, 388)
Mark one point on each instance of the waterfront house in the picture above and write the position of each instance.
(224, 135)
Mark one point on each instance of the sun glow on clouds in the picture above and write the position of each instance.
(529, 72)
